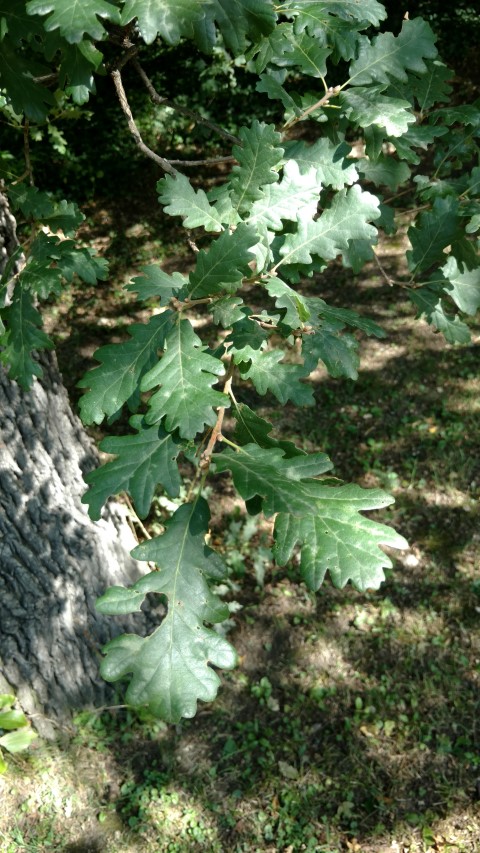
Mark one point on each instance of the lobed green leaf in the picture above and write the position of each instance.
(221, 269)
(121, 369)
(185, 373)
(75, 18)
(143, 462)
(181, 199)
(258, 157)
(389, 57)
(268, 373)
(347, 219)
(172, 668)
(337, 539)
(23, 336)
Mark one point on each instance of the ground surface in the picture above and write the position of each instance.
(351, 723)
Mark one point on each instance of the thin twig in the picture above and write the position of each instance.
(211, 161)
(192, 243)
(189, 303)
(130, 53)
(46, 79)
(382, 269)
(160, 161)
(21, 179)
(410, 211)
(26, 151)
(390, 281)
(216, 434)
(135, 517)
(165, 102)
(330, 93)
(397, 195)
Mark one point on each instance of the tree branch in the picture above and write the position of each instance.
(211, 161)
(330, 93)
(160, 161)
(216, 434)
(26, 151)
(197, 117)
(390, 281)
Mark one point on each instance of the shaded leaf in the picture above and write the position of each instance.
(143, 462)
(257, 157)
(69, 259)
(388, 56)
(39, 278)
(339, 353)
(226, 311)
(432, 232)
(343, 315)
(81, 262)
(272, 86)
(224, 265)
(306, 54)
(337, 539)
(79, 61)
(294, 304)
(19, 25)
(40, 205)
(245, 338)
(171, 668)
(322, 23)
(311, 14)
(181, 199)
(122, 366)
(417, 137)
(429, 303)
(466, 114)
(16, 77)
(273, 47)
(185, 373)
(154, 283)
(357, 254)
(22, 337)
(268, 373)
(250, 427)
(385, 171)
(433, 86)
(277, 480)
(271, 476)
(240, 20)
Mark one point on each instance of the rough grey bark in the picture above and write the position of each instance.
(54, 561)
(8, 235)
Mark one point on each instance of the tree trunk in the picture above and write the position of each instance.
(54, 561)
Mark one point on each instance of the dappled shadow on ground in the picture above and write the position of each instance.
(352, 717)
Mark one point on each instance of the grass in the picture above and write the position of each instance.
(351, 723)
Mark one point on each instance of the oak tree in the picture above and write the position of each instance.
(288, 207)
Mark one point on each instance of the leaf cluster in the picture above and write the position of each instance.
(287, 209)
(53, 260)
